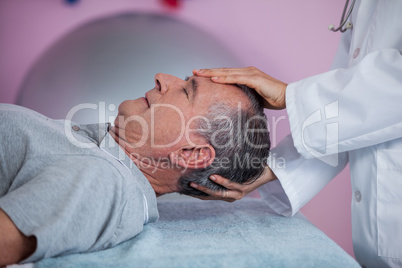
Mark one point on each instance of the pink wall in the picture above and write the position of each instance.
(287, 39)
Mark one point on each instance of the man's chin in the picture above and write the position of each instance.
(132, 108)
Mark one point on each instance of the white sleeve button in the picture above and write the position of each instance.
(358, 196)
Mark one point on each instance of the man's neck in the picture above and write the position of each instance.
(159, 178)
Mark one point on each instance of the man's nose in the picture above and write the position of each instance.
(165, 82)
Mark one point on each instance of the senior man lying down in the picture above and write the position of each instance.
(68, 188)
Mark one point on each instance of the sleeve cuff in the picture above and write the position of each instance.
(294, 112)
(275, 197)
(281, 194)
(17, 215)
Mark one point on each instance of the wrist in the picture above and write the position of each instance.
(271, 176)
(283, 96)
(268, 176)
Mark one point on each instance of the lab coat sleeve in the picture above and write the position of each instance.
(299, 179)
(346, 109)
(342, 54)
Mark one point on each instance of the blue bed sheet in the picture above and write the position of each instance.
(194, 233)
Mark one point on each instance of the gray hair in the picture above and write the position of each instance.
(240, 138)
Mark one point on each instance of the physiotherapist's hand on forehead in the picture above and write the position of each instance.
(272, 90)
(234, 191)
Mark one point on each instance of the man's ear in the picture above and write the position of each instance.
(199, 156)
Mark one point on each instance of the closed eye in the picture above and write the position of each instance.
(185, 91)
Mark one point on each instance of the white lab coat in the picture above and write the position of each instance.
(354, 110)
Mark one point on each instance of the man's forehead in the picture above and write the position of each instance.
(205, 84)
(210, 92)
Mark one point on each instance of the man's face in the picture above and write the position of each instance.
(163, 121)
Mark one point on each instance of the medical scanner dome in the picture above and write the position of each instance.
(104, 62)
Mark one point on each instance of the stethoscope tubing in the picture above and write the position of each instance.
(343, 19)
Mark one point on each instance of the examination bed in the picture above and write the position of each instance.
(194, 233)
